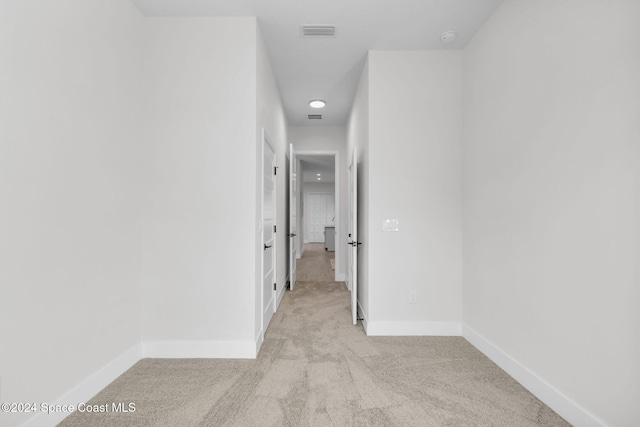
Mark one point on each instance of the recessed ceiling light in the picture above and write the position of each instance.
(448, 37)
(318, 174)
(318, 179)
(317, 103)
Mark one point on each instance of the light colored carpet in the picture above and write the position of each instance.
(315, 264)
(317, 369)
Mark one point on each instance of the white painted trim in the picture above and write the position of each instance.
(200, 349)
(564, 406)
(89, 387)
(393, 328)
(336, 218)
(340, 277)
(364, 320)
(259, 341)
(271, 307)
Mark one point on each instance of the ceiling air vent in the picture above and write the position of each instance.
(318, 30)
(315, 116)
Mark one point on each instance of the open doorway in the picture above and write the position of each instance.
(315, 220)
(318, 209)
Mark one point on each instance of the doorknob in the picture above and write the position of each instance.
(292, 234)
(267, 247)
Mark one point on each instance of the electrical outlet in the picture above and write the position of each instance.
(413, 297)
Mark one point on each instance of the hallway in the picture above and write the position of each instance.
(315, 264)
(317, 369)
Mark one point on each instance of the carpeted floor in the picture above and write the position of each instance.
(316, 369)
(315, 264)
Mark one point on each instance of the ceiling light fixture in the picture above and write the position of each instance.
(317, 103)
(448, 37)
(318, 174)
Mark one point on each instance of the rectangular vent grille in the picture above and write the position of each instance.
(315, 116)
(318, 30)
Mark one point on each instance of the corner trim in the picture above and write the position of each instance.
(365, 322)
(393, 328)
(89, 387)
(259, 341)
(563, 405)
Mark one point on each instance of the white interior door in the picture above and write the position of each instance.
(321, 213)
(319, 217)
(293, 217)
(353, 234)
(268, 233)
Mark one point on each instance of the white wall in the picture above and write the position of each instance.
(271, 118)
(200, 220)
(551, 198)
(358, 136)
(415, 120)
(69, 184)
(328, 138)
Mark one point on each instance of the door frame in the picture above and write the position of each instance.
(292, 216)
(352, 257)
(266, 141)
(337, 193)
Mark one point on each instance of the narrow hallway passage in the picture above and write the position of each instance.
(315, 265)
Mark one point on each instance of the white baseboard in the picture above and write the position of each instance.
(199, 349)
(388, 328)
(88, 388)
(341, 277)
(544, 391)
(259, 341)
(97, 381)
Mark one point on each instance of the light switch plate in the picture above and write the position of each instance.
(390, 225)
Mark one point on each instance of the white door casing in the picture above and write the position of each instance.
(337, 206)
(293, 218)
(268, 233)
(352, 272)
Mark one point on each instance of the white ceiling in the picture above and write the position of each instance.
(312, 165)
(329, 68)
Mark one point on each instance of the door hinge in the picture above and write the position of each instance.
(274, 286)
(275, 170)
(274, 228)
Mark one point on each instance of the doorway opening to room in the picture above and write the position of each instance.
(316, 212)
(318, 218)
